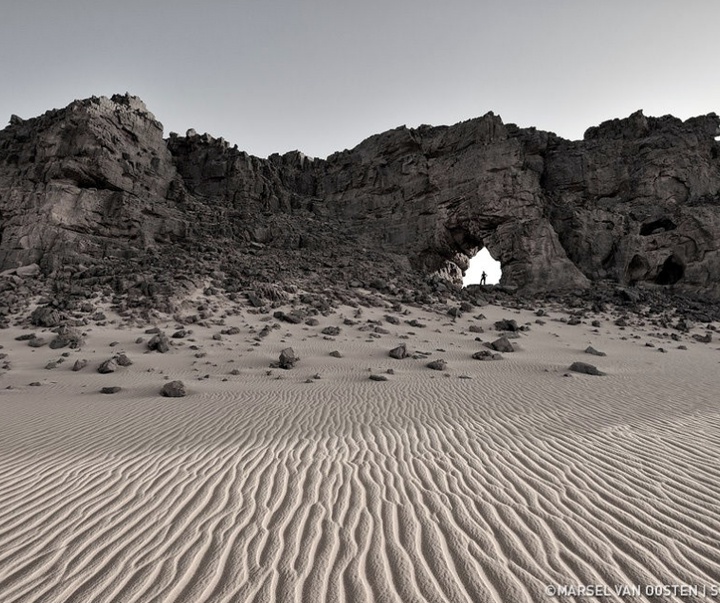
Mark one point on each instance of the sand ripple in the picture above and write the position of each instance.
(438, 490)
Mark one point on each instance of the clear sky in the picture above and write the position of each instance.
(322, 75)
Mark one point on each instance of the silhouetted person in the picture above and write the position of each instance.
(483, 276)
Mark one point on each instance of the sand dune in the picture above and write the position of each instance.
(425, 487)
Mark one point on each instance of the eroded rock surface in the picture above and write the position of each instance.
(94, 195)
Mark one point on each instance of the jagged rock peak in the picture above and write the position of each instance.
(638, 125)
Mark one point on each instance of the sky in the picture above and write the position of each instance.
(320, 76)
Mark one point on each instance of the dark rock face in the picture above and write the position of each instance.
(636, 201)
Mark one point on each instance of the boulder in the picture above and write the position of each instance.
(288, 359)
(502, 344)
(109, 366)
(594, 352)
(507, 325)
(587, 369)
(437, 365)
(399, 352)
(79, 364)
(159, 343)
(486, 355)
(173, 389)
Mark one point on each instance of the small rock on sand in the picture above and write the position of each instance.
(594, 352)
(174, 389)
(399, 352)
(587, 369)
(109, 366)
(437, 365)
(486, 355)
(501, 345)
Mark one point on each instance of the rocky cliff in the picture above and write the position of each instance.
(95, 185)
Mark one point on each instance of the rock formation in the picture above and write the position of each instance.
(93, 194)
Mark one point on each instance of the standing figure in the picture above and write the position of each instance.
(483, 276)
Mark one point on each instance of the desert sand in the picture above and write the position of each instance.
(484, 482)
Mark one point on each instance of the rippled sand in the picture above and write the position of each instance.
(425, 487)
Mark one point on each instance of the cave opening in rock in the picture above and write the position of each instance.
(479, 263)
(673, 269)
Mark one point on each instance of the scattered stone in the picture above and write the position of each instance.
(159, 343)
(707, 338)
(507, 325)
(35, 384)
(399, 352)
(51, 365)
(37, 342)
(123, 360)
(26, 337)
(336, 354)
(415, 323)
(173, 389)
(501, 345)
(114, 389)
(437, 365)
(587, 369)
(79, 365)
(293, 317)
(375, 377)
(46, 316)
(67, 337)
(393, 320)
(486, 355)
(288, 359)
(476, 329)
(594, 352)
(109, 366)
(331, 331)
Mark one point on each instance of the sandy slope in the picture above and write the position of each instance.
(426, 487)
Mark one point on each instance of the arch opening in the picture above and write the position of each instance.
(481, 262)
(673, 269)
